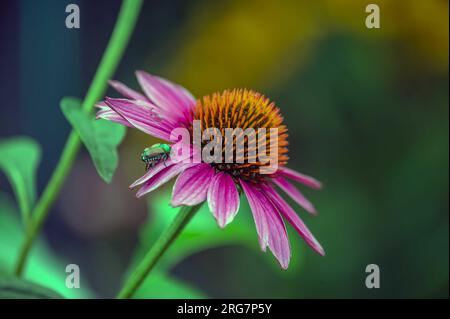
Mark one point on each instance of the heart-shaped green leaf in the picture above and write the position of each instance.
(15, 288)
(19, 158)
(100, 137)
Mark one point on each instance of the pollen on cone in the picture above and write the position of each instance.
(239, 110)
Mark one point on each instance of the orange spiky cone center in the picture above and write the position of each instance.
(240, 109)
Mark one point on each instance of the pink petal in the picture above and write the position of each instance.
(167, 95)
(152, 172)
(299, 177)
(182, 151)
(278, 239)
(294, 220)
(192, 185)
(106, 113)
(269, 225)
(258, 214)
(161, 178)
(126, 91)
(295, 194)
(102, 106)
(141, 116)
(112, 116)
(223, 199)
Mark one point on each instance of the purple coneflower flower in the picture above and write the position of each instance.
(167, 106)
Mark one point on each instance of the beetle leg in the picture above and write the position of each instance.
(165, 159)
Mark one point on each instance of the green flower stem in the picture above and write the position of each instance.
(156, 251)
(126, 21)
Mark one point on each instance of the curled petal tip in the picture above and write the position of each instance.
(140, 72)
(284, 267)
(221, 225)
(319, 249)
(313, 211)
(301, 178)
(133, 185)
(174, 203)
(315, 184)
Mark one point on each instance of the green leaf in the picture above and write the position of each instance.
(14, 288)
(159, 285)
(19, 158)
(43, 267)
(100, 137)
(201, 233)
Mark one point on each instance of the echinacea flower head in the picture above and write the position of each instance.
(165, 107)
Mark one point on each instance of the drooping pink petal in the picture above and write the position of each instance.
(110, 115)
(171, 97)
(269, 225)
(258, 214)
(192, 185)
(126, 91)
(278, 239)
(102, 106)
(179, 158)
(295, 194)
(152, 172)
(223, 199)
(135, 108)
(140, 115)
(161, 178)
(299, 177)
(294, 219)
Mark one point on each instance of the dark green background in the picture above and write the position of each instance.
(367, 113)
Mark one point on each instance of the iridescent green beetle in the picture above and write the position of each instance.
(155, 154)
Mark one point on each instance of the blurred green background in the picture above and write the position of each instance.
(367, 113)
